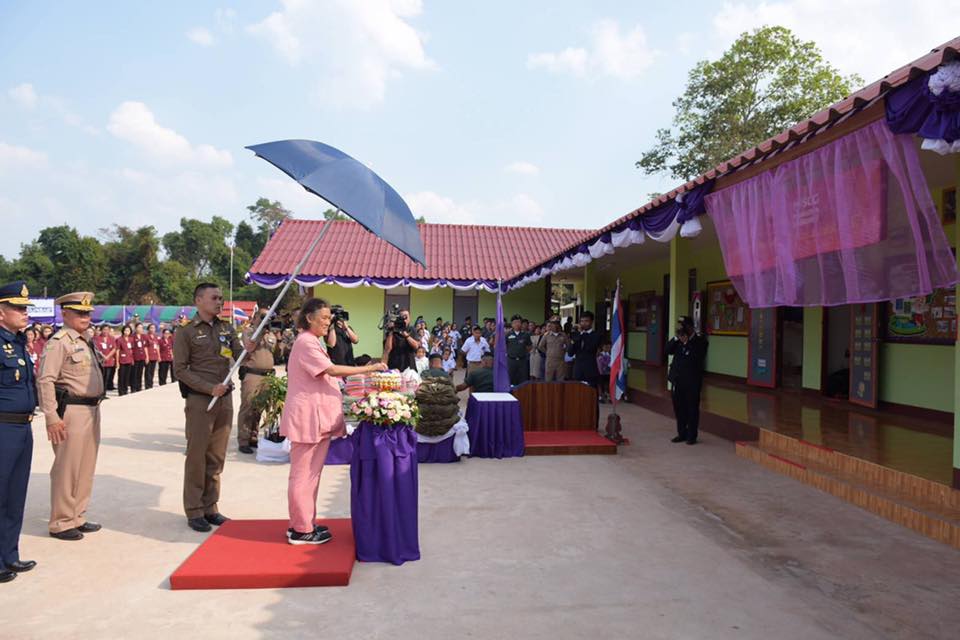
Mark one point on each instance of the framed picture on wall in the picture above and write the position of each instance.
(640, 305)
(948, 205)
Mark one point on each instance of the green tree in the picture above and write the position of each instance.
(766, 82)
(268, 214)
(202, 247)
(36, 267)
(78, 262)
(131, 256)
(172, 283)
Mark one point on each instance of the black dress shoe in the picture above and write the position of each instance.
(199, 524)
(6, 575)
(254, 444)
(21, 566)
(89, 527)
(677, 439)
(215, 519)
(691, 442)
(69, 534)
(246, 449)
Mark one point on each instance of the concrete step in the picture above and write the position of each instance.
(933, 518)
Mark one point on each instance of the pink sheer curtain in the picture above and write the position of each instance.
(848, 223)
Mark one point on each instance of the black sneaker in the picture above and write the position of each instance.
(314, 537)
(245, 449)
(215, 519)
(678, 439)
(316, 527)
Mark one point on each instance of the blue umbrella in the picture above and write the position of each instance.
(350, 186)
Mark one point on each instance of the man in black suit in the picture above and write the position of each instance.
(689, 351)
(584, 345)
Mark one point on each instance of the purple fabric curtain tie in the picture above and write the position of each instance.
(929, 106)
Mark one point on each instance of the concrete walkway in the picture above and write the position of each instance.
(661, 541)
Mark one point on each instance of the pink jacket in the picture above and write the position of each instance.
(313, 410)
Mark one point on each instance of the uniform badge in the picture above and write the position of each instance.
(23, 292)
(16, 375)
(21, 362)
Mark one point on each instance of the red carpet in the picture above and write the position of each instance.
(566, 443)
(254, 554)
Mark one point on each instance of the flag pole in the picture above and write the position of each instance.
(612, 385)
(276, 303)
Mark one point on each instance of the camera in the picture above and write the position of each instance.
(338, 313)
(392, 320)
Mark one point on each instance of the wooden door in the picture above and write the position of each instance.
(762, 347)
(864, 354)
(656, 323)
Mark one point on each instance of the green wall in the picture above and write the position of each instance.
(432, 303)
(812, 346)
(636, 344)
(527, 301)
(921, 375)
(365, 305)
(727, 355)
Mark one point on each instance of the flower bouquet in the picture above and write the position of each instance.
(386, 408)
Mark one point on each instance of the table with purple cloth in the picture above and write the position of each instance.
(383, 493)
(496, 425)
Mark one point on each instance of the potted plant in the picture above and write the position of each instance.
(268, 401)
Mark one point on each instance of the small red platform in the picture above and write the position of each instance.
(254, 554)
(552, 443)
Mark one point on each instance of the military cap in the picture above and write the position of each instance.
(15, 293)
(76, 301)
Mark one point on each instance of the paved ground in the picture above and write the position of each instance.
(661, 541)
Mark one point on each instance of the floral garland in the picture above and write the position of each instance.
(386, 408)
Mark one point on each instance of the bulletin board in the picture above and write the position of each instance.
(641, 305)
(727, 314)
(930, 319)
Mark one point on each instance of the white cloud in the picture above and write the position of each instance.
(136, 124)
(522, 168)
(24, 95)
(518, 210)
(611, 52)
(351, 48)
(225, 20)
(13, 157)
(201, 36)
(869, 37)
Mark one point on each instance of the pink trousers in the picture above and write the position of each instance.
(306, 463)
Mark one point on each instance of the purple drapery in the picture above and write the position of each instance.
(501, 376)
(914, 108)
(851, 222)
(383, 493)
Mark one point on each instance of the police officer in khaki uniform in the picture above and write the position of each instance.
(203, 351)
(253, 373)
(70, 387)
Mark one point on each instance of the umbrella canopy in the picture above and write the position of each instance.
(350, 186)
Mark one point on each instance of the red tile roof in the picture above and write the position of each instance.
(453, 251)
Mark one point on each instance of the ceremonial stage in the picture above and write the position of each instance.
(254, 554)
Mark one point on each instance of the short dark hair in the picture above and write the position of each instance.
(310, 307)
(440, 318)
(486, 354)
(587, 314)
(477, 328)
(436, 356)
(203, 286)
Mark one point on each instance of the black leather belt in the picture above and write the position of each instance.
(518, 357)
(16, 418)
(257, 372)
(90, 402)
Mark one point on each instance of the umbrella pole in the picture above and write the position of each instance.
(276, 303)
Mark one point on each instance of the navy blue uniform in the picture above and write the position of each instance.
(18, 395)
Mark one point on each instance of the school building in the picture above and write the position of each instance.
(821, 263)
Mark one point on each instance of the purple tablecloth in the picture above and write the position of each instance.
(437, 451)
(383, 493)
(340, 451)
(496, 426)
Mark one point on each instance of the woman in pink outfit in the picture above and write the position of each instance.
(312, 415)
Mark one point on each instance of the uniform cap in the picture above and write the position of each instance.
(76, 301)
(15, 293)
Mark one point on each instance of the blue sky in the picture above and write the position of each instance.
(524, 113)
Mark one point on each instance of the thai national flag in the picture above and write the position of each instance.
(618, 370)
(240, 314)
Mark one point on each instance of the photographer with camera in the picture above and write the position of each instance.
(399, 345)
(341, 337)
(689, 351)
